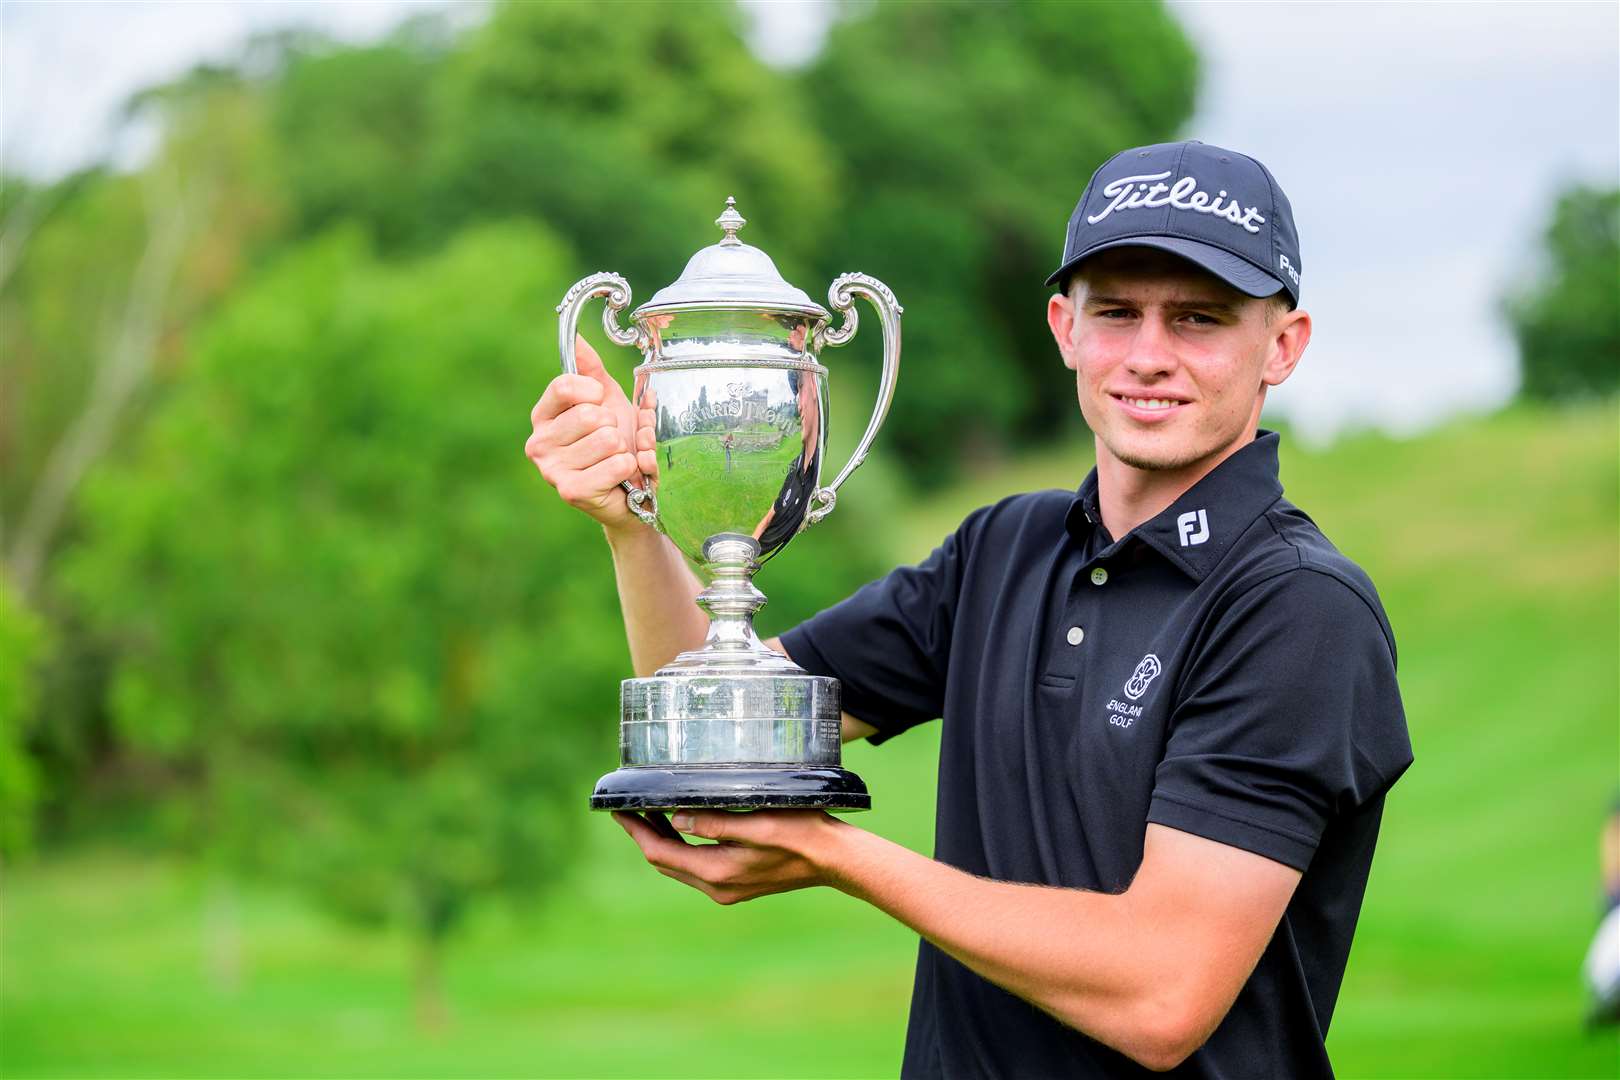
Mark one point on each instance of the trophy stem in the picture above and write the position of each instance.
(731, 600)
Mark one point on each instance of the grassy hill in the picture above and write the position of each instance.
(1496, 546)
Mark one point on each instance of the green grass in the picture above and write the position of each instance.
(1495, 544)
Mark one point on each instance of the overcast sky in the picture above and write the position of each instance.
(1421, 145)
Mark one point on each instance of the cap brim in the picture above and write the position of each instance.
(1241, 274)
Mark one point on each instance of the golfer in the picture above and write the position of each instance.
(1169, 706)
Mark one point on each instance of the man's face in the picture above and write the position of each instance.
(1170, 362)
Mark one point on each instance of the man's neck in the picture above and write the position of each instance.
(1127, 496)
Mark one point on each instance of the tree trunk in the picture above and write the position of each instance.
(428, 1002)
(117, 376)
(222, 934)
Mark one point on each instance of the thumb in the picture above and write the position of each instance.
(589, 363)
(709, 824)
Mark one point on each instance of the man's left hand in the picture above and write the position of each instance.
(757, 852)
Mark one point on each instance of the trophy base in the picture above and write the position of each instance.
(731, 787)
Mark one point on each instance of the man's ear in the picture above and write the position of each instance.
(1060, 317)
(1290, 333)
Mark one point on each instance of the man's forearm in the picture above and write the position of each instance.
(1086, 958)
(657, 594)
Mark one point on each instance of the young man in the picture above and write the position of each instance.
(1169, 705)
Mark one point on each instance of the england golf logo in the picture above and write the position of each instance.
(1193, 528)
(1145, 673)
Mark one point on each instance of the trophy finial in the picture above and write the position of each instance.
(730, 221)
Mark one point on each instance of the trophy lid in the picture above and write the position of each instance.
(732, 274)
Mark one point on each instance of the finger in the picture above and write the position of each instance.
(644, 439)
(704, 862)
(755, 828)
(564, 392)
(591, 449)
(651, 819)
(717, 895)
(647, 461)
(576, 423)
(656, 849)
(608, 473)
(590, 364)
(638, 829)
(709, 824)
(661, 825)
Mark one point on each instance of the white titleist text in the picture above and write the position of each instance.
(1144, 192)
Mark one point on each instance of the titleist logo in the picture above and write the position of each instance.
(1141, 192)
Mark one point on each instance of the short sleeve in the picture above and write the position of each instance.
(889, 643)
(1289, 716)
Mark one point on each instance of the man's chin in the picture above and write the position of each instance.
(1155, 458)
(1154, 464)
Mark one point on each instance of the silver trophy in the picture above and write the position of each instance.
(730, 368)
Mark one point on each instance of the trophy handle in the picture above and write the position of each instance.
(617, 291)
(841, 296)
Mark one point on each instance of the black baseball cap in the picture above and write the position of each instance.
(1217, 208)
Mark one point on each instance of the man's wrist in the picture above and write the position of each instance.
(629, 534)
(836, 852)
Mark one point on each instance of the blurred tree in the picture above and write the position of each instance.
(625, 127)
(101, 275)
(22, 643)
(353, 128)
(969, 131)
(1567, 323)
(340, 591)
(332, 584)
(111, 269)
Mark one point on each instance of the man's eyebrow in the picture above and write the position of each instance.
(1197, 303)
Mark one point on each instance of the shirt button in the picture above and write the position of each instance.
(1099, 576)
(1076, 635)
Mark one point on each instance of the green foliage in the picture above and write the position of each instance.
(1568, 323)
(333, 584)
(355, 130)
(22, 646)
(968, 132)
(626, 127)
(112, 269)
(623, 128)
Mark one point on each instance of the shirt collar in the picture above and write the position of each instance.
(1197, 530)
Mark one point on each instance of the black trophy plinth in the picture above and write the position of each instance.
(731, 787)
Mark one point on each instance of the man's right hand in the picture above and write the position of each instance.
(588, 438)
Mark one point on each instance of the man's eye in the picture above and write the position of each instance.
(1114, 312)
(1201, 319)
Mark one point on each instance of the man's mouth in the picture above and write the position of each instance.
(1145, 404)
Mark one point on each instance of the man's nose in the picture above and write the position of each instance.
(1152, 353)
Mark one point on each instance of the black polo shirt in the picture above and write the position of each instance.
(1222, 670)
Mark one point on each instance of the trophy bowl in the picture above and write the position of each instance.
(731, 373)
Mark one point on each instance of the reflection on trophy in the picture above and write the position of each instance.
(730, 369)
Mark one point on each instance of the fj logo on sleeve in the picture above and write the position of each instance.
(1193, 527)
